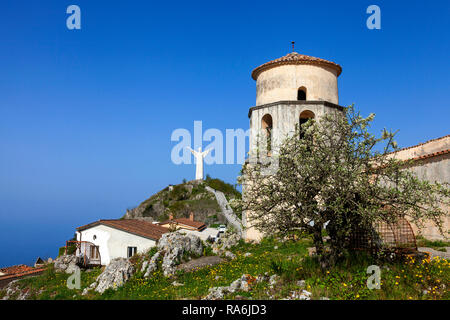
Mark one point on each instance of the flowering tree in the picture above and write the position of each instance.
(339, 177)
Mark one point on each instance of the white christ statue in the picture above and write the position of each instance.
(199, 155)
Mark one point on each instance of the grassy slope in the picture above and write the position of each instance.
(346, 281)
(436, 244)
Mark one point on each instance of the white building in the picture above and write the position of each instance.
(104, 240)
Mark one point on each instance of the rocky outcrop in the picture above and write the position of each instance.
(14, 292)
(199, 263)
(114, 276)
(150, 266)
(300, 295)
(244, 283)
(226, 241)
(179, 200)
(229, 255)
(172, 247)
(66, 263)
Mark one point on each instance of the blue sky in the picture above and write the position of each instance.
(86, 115)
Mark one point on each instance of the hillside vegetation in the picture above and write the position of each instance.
(289, 260)
(179, 200)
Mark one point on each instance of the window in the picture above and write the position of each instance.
(94, 254)
(131, 251)
(267, 126)
(301, 93)
(304, 117)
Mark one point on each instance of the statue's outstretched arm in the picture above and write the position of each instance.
(192, 151)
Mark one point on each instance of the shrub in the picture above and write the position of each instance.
(226, 188)
(207, 250)
(70, 250)
(277, 266)
(152, 252)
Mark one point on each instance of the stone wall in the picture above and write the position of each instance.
(434, 169)
(227, 212)
(432, 164)
(285, 116)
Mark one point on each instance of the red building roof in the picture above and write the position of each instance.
(187, 222)
(21, 268)
(296, 58)
(137, 227)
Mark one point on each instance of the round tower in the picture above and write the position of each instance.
(297, 77)
(290, 90)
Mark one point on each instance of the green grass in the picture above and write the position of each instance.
(347, 280)
(437, 244)
(205, 205)
(228, 189)
(52, 285)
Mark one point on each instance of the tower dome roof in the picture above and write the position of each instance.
(295, 58)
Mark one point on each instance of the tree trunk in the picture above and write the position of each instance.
(318, 242)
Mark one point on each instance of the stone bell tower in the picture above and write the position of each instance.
(289, 91)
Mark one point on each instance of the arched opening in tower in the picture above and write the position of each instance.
(304, 117)
(301, 94)
(267, 126)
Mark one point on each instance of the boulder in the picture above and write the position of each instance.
(13, 291)
(302, 295)
(230, 255)
(226, 241)
(86, 290)
(216, 293)
(273, 279)
(66, 263)
(301, 283)
(172, 247)
(305, 295)
(241, 284)
(199, 263)
(71, 268)
(115, 275)
(153, 264)
(187, 243)
(144, 265)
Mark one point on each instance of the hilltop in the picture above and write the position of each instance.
(181, 199)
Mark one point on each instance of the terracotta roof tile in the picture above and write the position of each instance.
(138, 227)
(21, 268)
(295, 58)
(195, 224)
(21, 274)
(420, 144)
(425, 156)
(430, 155)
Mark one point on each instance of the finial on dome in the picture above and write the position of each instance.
(293, 44)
